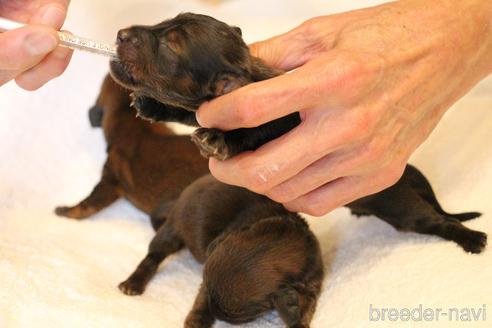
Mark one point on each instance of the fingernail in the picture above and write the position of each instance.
(53, 16)
(40, 43)
(197, 116)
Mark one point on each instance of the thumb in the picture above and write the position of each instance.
(52, 14)
(286, 51)
(22, 48)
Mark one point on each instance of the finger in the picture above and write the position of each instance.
(44, 12)
(319, 173)
(53, 14)
(296, 47)
(361, 158)
(286, 156)
(331, 196)
(335, 79)
(52, 66)
(264, 101)
(23, 48)
(345, 190)
(287, 51)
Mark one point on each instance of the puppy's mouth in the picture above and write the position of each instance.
(123, 68)
(121, 72)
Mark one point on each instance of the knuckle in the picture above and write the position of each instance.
(312, 26)
(360, 126)
(345, 75)
(392, 175)
(373, 153)
(247, 109)
(255, 178)
(315, 209)
(364, 123)
(282, 194)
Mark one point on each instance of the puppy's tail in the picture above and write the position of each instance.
(464, 216)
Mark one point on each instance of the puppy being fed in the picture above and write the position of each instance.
(147, 163)
(258, 256)
(175, 66)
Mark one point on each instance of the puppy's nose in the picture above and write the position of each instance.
(126, 35)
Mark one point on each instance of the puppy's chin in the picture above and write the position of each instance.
(121, 74)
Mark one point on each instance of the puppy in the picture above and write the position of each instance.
(147, 163)
(258, 256)
(175, 66)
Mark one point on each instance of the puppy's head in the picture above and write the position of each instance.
(183, 61)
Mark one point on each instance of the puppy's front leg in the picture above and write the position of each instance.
(224, 145)
(154, 111)
(200, 315)
(165, 243)
(103, 194)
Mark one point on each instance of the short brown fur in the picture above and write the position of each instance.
(147, 163)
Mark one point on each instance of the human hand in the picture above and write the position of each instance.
(30, 54)
(370, 86)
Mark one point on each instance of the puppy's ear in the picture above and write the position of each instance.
(238, 30)
(227, 82)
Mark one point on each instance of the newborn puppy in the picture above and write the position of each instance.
(411, 205)
(147, 163)
(258, 256)
(175, 66)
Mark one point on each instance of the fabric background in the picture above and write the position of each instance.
(56, 272)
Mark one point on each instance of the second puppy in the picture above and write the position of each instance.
(147, 163)
(258, 256)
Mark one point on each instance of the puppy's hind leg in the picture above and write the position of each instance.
(103, 194)
(159, 215)
(470, 240)
(200, 315)
(165, 243)
(422, 186)
(295, 306)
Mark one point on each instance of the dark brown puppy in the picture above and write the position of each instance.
(147, 163)
(176, 65)
(258, 256)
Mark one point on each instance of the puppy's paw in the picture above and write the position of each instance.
(287, 304)
(144, 108)
(472, 241)
(74, 212)
(131, 287)
(211, 143)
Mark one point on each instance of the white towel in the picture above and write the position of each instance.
(56, 272)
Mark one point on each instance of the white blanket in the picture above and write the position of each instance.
(56, 272)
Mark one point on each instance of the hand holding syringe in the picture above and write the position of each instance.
(68, 40)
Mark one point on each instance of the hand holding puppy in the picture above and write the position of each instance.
(30, 54)
(370, 86)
